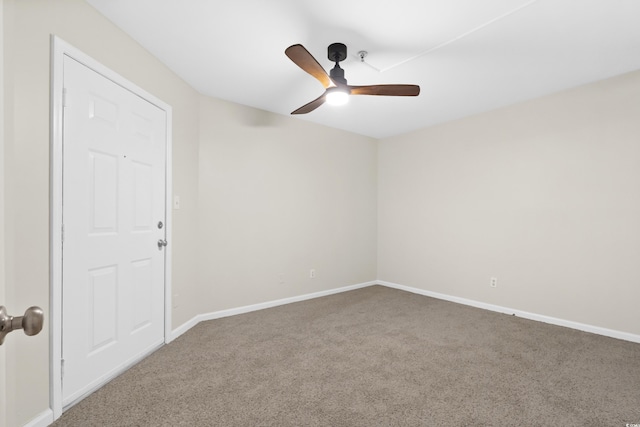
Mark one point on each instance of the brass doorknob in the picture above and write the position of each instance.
(31, 322)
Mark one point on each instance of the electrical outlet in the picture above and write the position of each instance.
(494, 282)
(312, 273)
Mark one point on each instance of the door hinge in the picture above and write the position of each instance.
(61, 368)
(65, 102)
(62, 231)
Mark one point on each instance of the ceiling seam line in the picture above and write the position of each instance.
(473, 30)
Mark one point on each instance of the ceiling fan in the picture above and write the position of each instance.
(337, 90)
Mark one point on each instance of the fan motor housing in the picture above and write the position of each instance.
(337, 52)
(337, 75)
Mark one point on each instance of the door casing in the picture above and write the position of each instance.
(60, 49)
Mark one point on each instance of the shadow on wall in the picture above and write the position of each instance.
(253, 117)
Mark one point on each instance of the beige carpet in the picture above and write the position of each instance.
(374, 357)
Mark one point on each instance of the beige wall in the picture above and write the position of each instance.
(3, 349)
(543, 195)
(279, 197)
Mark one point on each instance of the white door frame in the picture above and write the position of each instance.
(60, 49)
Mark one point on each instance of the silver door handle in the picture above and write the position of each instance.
(31, 322)
(161, 243)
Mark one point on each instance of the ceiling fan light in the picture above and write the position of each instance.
(337, 96)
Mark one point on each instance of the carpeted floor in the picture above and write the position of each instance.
(374, 357)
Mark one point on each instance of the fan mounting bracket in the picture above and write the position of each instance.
(337, 52)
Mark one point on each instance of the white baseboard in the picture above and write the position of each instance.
(261, 306)
(491, 307)
(184, 328)
(524, 314)
(42, 420)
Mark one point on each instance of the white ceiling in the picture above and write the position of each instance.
(468, 56)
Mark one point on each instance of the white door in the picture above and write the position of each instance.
(114, 157)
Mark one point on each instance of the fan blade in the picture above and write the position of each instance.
(303, 59)
(385, 90)
(307, 108)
